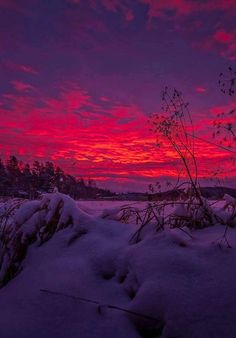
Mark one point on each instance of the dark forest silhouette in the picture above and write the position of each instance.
(18, 179)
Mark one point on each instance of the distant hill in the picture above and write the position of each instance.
(217, 192)
(207, 192)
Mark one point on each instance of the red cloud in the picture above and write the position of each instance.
(225, 108)
(111, 5)
(28, 69)
(179, 7)
(223, 37)
(222, 41)
(227, 43)
(21, 86)
(200, 89)
(160, 8)
(105, 140)
(118, 5)
(228, 6)
(20, 67)
(187, 7)
(129, 15)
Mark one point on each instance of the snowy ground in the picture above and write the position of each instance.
(96, 207)
(172, 285)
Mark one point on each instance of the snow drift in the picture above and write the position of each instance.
(81, 277)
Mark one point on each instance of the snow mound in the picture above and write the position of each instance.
(23, 224)
(114, 214)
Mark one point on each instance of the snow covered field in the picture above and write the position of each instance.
(88, 280)
(97, 207)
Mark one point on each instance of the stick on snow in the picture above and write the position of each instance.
(114, 307)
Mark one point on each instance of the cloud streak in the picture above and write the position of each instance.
(88, 139)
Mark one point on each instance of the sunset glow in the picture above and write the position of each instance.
(80, 78)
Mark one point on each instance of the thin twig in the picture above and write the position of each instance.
(109, 306)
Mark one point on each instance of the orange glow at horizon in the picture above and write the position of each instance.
(114, 144)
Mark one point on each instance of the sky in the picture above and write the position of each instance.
(79, 80)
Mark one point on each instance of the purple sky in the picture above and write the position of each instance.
(80, 77)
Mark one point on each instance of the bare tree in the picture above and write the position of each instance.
(227, 82)
(225, 122)
(175, 126)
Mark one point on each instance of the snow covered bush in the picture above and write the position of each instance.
(22, 223)
(183, 214)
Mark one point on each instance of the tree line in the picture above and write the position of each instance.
(18, 179)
